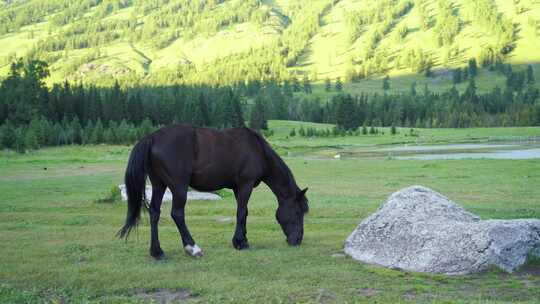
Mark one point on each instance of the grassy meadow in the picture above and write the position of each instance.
(58, 243)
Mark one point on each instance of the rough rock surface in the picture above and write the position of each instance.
(167, 197)
(418, 229)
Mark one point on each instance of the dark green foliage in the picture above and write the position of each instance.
(386, 83)
(489, 56)
(327, 85)
(292, 133)
(72, 113)
(306, 85)
(456, 76)
(530, 74)
(346, 112)
(301, 131)
(114, 195)
(339, 85)
(364, 129)
(473, 68)
(258, 120)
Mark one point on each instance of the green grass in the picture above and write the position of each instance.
(59, 245)
(282, 129)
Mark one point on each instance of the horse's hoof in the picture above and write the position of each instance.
(240, 244)
(194, 251)
(157, 254)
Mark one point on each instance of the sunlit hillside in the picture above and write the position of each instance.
(358, 41)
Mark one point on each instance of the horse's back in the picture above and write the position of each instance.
(211, 159)
(224, 159)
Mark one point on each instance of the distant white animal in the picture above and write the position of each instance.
(337, 156)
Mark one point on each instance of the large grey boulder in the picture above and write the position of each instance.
(418, 229)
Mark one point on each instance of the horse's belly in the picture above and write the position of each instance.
(210, 180)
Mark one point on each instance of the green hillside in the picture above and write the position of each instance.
(223, 41)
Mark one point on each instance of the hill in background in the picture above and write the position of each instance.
(213, 41)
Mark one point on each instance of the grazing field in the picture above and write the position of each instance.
(58, 243)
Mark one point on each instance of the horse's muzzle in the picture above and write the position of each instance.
(294, 241)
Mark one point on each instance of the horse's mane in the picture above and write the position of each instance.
(277, 161)
(274, 158)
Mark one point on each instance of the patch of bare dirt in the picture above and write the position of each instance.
(165, 296)
(368, 292)
(529, 269)
(320, 296)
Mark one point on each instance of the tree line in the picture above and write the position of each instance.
(33, 115)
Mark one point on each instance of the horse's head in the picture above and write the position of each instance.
(290, 215)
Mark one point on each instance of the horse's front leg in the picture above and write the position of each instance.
(177, 213)
(242, 195)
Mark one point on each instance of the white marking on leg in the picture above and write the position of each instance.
(194, 250)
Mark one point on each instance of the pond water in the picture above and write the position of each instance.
(467, 151)
(504, 154)
(471, 146)
(515, 150)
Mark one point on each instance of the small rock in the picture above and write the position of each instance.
(224, 220)
(167, 197)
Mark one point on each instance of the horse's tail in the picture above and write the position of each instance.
(135, 180)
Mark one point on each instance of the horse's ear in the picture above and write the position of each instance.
(302, 192)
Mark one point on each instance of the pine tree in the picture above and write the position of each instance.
(306, 85)
(386, 83)
(473, 68)
(292, 133)
(301, 131)
(238, 117)
(413, 88)
(30, 139)
(258, 119)
(295, 84)
(202, 115)
(287, 89)
(8, 135)
(145, 128)
(530, 74)
(77, 131)
(470, 92)
(456, 76)
(20, 140)
(327, 85)
(97, 133)
(339, 85)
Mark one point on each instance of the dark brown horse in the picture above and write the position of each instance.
(180, 156)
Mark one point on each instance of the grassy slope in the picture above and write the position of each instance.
(61, 246)
(329, 49)
(326, 54)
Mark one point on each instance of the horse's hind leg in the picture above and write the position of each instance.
(177, 213)
(158, 189)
